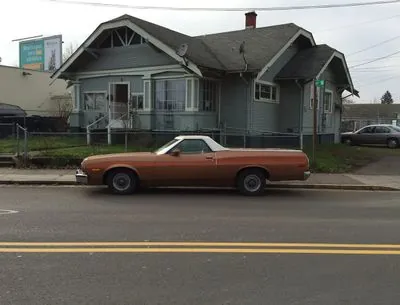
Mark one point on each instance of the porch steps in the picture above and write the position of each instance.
(7, 160)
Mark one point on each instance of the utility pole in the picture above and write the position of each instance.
(315, 111)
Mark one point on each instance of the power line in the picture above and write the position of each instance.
(375, 45)
(226, 9)
(377, 59)
(357, 24)
(379, 81)
(366, 59)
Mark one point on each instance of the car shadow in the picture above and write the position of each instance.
(198, 192)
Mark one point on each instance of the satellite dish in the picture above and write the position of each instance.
(182, 50)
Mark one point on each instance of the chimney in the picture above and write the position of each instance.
(251, 20)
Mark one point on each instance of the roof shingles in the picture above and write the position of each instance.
(221, 50)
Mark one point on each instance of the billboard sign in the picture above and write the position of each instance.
(41, 54)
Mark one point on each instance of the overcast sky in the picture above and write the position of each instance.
(346, 29)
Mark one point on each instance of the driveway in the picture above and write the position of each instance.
(387, 166)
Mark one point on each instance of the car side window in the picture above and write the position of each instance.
(367, 130)
(193, 146)
(381, 129)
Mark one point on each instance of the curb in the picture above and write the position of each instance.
(350, 187)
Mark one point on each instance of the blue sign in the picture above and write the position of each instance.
(31, 54)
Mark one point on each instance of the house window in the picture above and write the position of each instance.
(94, 101)
(328, 101)
(208, 96)
(266, 92)
(170, 95)
(137, 101)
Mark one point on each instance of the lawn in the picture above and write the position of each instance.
(42, 143)
(335, 158)
(85, 151)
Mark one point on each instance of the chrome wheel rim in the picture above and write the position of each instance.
(252, 183)
(348, 141)
(392, 143)
(121, 182)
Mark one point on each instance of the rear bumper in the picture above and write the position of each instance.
(307, 175)
(81, 177)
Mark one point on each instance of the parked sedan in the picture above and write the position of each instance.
(381, 134)
(194, 161)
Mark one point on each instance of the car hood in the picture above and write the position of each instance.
(348, 132)
(119, 156)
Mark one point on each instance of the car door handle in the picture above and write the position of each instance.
(210, 158)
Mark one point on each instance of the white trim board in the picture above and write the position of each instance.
(301, 32)
(111, 25)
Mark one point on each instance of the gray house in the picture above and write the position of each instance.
(130, 72)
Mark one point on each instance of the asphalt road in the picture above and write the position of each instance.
(65, 245)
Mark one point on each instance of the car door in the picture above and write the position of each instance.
(364, 136)
(381, 134)
(195, 165)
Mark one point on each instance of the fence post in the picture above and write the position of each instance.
(301, 141)
(87, 135)
(18, 149)
(109, 134)
(126, 140)
(25, 146)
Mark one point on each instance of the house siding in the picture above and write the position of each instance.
(327, 122)
(136, 56)
(289, 107)
(144, 120)
(269, 75)
(234, 98)
(264, 116)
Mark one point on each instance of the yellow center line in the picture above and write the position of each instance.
(201, 250)
(198, 244)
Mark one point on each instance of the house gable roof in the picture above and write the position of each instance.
(310, 63)
(219, 51)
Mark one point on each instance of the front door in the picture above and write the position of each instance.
(194, 166)
(118, 103)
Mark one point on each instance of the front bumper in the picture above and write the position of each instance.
(307, 175)
(81, 177)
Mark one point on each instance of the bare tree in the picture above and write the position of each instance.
(348, 100)
(69, 50)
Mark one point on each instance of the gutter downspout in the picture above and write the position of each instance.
(301, 114)
(247, 100)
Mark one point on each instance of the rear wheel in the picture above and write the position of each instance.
(393, 143)
(122, 181)
(348, 141)
(251, 182)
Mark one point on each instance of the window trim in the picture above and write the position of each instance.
(95, 92)
(153, 92)
(265, 100)
(318, 96)
(139, 94)
(331, 105)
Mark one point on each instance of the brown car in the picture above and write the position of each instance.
(194, 161)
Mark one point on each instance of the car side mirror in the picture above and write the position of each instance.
(175, 152)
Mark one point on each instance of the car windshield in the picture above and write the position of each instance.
(396, 128)
(165, 145)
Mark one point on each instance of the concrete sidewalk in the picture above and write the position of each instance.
(316, 181)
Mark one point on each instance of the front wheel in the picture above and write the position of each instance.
(251, 182)
(393, 143)
(122, 182)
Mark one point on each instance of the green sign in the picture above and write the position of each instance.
(31, 54)
(320, 83)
